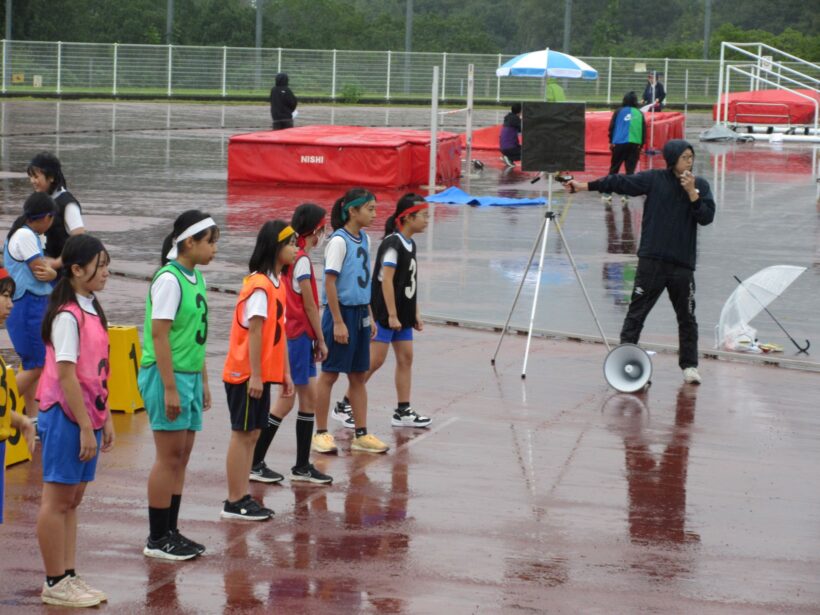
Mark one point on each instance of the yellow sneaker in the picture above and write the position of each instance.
(324, 443)
(369, 444)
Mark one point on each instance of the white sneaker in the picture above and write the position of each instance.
(67, 593)
(97, 593)
(691, 375)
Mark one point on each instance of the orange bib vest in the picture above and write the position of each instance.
(274, 343)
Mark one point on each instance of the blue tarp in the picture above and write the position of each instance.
(457, 196)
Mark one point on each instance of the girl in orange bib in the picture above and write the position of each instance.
(257, 358)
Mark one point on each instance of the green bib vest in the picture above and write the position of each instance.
(189, 331)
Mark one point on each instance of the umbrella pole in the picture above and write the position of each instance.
(800, 350)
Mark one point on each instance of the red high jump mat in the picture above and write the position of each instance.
(666, 126)
(342, 155)
(769, 107)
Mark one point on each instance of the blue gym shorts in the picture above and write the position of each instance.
(60, 439)
(300, 355)
(24, 324)
(355, 355)
(189, 387)
(387, 335)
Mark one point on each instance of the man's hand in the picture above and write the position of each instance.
(687, 182)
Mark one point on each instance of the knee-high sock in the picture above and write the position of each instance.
(265, 438)
(304, 433)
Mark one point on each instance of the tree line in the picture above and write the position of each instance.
(625, 28)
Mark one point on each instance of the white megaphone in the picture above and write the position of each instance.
(627, 368)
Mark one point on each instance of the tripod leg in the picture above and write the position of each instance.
(535, 297)
(518, 292)
(581, 282)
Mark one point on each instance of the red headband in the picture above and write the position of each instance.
(301, 239)
(412, 210)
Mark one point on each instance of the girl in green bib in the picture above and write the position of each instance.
(173, 378)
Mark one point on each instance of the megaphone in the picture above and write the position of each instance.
(627, 368)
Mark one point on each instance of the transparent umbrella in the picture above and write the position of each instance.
(752, 296)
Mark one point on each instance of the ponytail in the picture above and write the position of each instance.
(339, 215)
(49, 165)
(37, 205)
(184, 221)
(78, 250)
(407, 201)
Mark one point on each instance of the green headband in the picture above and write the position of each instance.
(357, 202)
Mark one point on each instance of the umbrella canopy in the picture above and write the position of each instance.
(549, 63)
(747, 301)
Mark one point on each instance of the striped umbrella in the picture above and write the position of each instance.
(546, 62)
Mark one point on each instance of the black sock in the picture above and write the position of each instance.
(70, 572)
(159, 520)
(318, 431)
(265, 438)
(404, 406)
(173, 516)
(361, 431)
(52, 581)
(304, 433)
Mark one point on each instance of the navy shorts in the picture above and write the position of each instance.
(300, 355)
(247, 413)
(355, 355)
(25, 324)
(60, 438)
(387, 335)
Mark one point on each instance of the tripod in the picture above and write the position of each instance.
(549, 216)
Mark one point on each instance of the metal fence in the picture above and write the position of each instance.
(95, 69)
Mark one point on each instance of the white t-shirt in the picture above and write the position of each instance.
(301, 271)
(65, 331)
(166, 295)
(72, 216)
(23, 245)
(257, 304)
(335, 252)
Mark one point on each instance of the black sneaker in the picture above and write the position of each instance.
(200, 548)
(263, 474)
(409, 418)
(169, 547)
(247, 508)
(309, 474)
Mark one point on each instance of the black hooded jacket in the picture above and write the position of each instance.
(669, 228)
(282, 100)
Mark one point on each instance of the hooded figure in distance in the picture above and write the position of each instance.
(282, 103)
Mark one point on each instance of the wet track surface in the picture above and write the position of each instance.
(545, 495)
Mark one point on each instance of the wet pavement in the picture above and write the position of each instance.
(547, 495)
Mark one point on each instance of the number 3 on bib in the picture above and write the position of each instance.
(410, 291)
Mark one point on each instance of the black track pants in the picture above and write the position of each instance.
(651, 279)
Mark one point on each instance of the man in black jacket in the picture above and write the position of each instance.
(282, 103)
(676, 203)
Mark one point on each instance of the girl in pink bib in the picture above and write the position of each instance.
(75, 422)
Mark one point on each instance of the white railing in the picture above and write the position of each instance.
(71, 69)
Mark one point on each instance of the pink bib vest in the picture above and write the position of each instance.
(92, 369)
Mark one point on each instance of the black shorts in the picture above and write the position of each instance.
(247, 413)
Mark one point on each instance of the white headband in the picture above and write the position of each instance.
(188, 232)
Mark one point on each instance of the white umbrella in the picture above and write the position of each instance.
(751, 297)
(546, 63)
